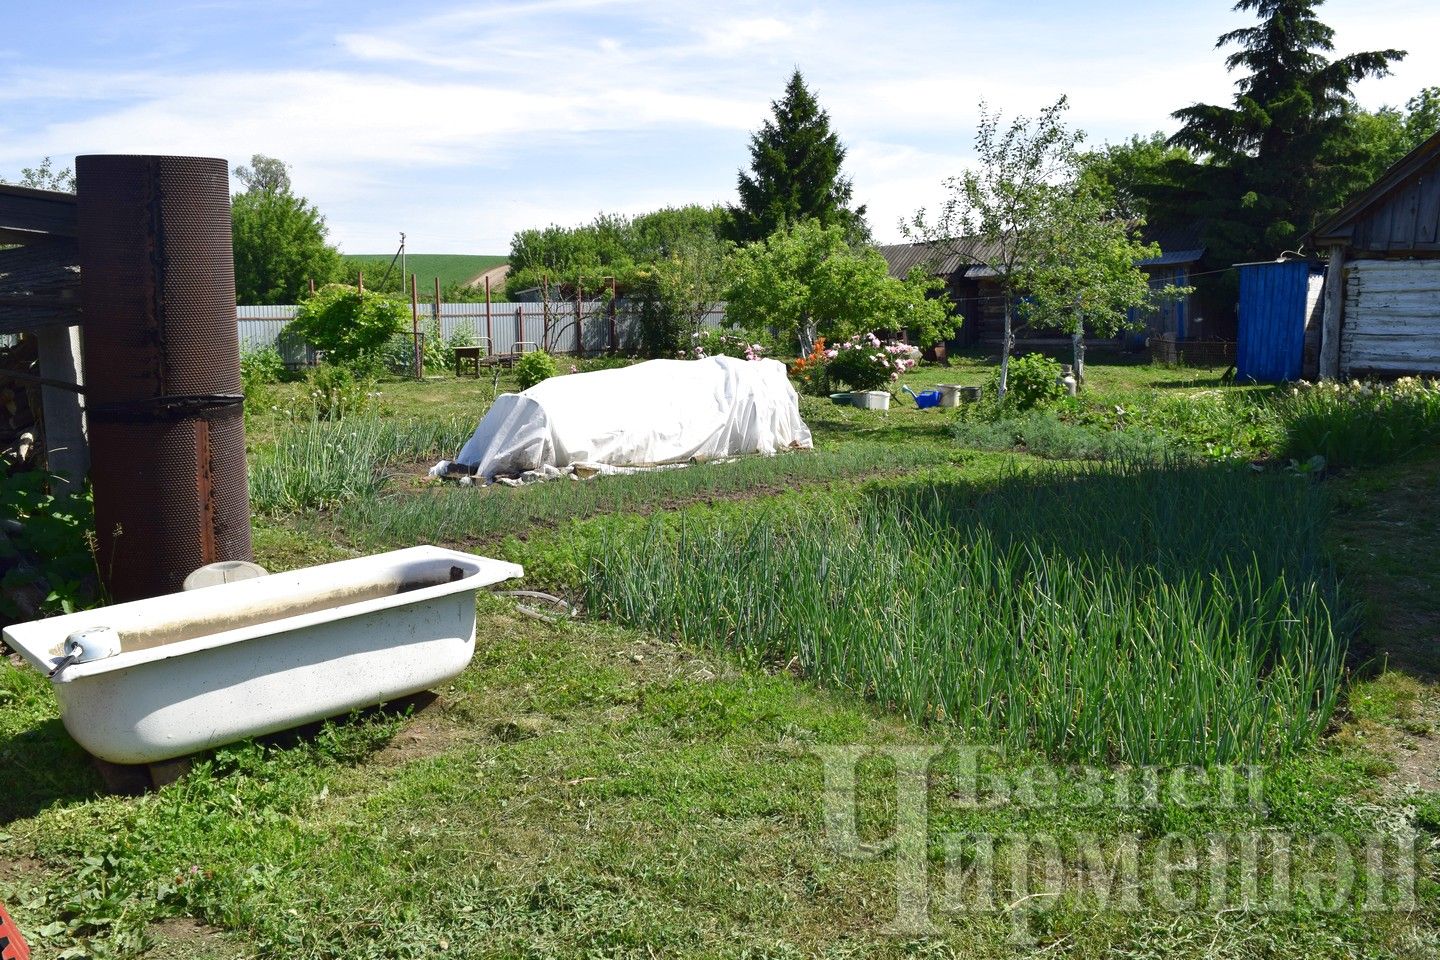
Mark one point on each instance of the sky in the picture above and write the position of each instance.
(460, 123)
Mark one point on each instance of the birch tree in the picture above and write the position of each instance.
(1002, 213)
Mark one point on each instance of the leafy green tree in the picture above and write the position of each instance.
(1004, 212)
(46, 177)
(1269, 166)
(611, 246)
(806, 281)
(1135, 178)
(352, 329)
(1422, 116)
(1086, 277)
(673, 293)
(668, 265)
(265, 174)
(280, 247)
(1374, 140)
(795, 163)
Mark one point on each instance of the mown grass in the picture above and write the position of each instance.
(586, 790)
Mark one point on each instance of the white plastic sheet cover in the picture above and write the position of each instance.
(652, 413)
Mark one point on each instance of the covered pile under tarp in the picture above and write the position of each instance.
(653, 413)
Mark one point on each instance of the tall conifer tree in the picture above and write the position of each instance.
(795, 171)
(1271, 163)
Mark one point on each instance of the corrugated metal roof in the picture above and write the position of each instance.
(968, 256)
(942, 258)
(1172, 258)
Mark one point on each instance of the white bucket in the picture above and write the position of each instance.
(871, 399)
(949, 394)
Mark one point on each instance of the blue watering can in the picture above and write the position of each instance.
(925, 398)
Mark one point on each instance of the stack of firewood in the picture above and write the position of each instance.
(20, 590)
(20, 427)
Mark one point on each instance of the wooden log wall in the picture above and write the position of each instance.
(1392, 317)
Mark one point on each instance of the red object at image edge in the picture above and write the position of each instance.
(12, 945)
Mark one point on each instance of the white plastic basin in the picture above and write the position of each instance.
(208, 667)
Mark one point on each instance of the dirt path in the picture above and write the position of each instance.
(497, 276)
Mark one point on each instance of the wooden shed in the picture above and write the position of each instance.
(1382, 282)
(949, 263)
(978, 297)
(40, 295)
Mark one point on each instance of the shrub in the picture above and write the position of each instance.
(333, 393)
(613, 362)
(399, 353)
(809, 372)
(258, 370)
(54, 537)
(1360, 423)
(1034, 381)
(533, 367)
(262, 366)
(351, 330)
(716, 343)
(864, 363)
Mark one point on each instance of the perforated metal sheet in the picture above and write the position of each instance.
(162, 367)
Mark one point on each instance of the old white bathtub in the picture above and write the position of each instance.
(180, 673)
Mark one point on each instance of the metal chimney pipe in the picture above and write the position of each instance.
(162, 369)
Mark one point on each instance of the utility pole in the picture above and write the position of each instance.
(403, 274)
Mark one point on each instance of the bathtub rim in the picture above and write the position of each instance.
(35, 639)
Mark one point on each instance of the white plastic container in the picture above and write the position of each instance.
(949, 394)
(871, 399)
(207, 667)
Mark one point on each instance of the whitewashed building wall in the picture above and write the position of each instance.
(1392, 317)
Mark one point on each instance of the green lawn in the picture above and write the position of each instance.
(653, 782)
(449, 267)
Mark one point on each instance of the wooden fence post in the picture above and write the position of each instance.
(614, 325)
(489, 325)
(415, 328)
(579, 320)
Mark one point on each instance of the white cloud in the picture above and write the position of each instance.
(736, 35)
(466, 124)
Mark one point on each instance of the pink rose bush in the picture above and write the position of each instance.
(865, 363)
(713, 343)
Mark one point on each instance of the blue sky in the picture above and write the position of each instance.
(462, 122)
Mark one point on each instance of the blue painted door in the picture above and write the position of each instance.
(1271, 340)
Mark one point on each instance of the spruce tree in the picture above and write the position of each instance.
(1272, 163)
(795, 171)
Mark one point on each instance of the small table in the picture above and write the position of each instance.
(468, 358)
